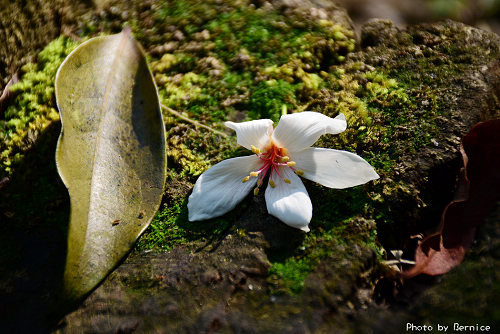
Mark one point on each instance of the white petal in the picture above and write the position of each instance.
(254, 133)
(334, 168)
(219, 189)
(290, 203)
(301, 130)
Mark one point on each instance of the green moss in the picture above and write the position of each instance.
(33, 108)
(242, 63)
(163, 232)
(245, 27)
(380, 109)
(170, 227)
(235, 61)
(291, 274)
(243, 41)
(337, 221)
(183, 159)
(184, 91)
(269, 97)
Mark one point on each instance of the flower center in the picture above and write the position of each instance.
(273, 158)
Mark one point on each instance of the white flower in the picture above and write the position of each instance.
(281, 154)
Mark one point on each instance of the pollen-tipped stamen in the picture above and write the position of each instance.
(273, 158)
(260, 181)
(255, 150)
(299, 172)
(275, 169)
(256, 191)
(245, 179)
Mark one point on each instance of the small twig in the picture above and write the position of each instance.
(399, 261)
(4, 182)
(7, 94)
(195, 123)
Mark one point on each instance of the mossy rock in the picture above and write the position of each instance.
(409, 95)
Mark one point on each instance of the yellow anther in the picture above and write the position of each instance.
(272, 184)
(286, 181)
(291, 163)
(256, 191)
(285, 158)
(255, 149)
(299, 172)
(245, 179)
(254, 174)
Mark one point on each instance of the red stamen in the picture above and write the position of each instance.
(276, 170)
(272, 159)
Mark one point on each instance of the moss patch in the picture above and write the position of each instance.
(171, 228)
(223, 61)
(33, 108)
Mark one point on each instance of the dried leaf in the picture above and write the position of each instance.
(478, 191)
(110, 154)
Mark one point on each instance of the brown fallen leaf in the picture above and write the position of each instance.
(478, 191)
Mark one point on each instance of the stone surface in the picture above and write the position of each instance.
(454, 66)
(221, 287)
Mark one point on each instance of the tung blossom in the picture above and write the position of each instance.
(282, 155)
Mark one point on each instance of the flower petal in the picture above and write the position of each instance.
(333, 168)
(289, 202)
(252, 133)
(219, 189)
(301, 130)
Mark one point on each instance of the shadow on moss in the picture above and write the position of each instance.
(338, 220)
(34, 211)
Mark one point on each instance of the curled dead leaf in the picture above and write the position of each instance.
(477, 192)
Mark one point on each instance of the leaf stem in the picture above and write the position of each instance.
(195, 123)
